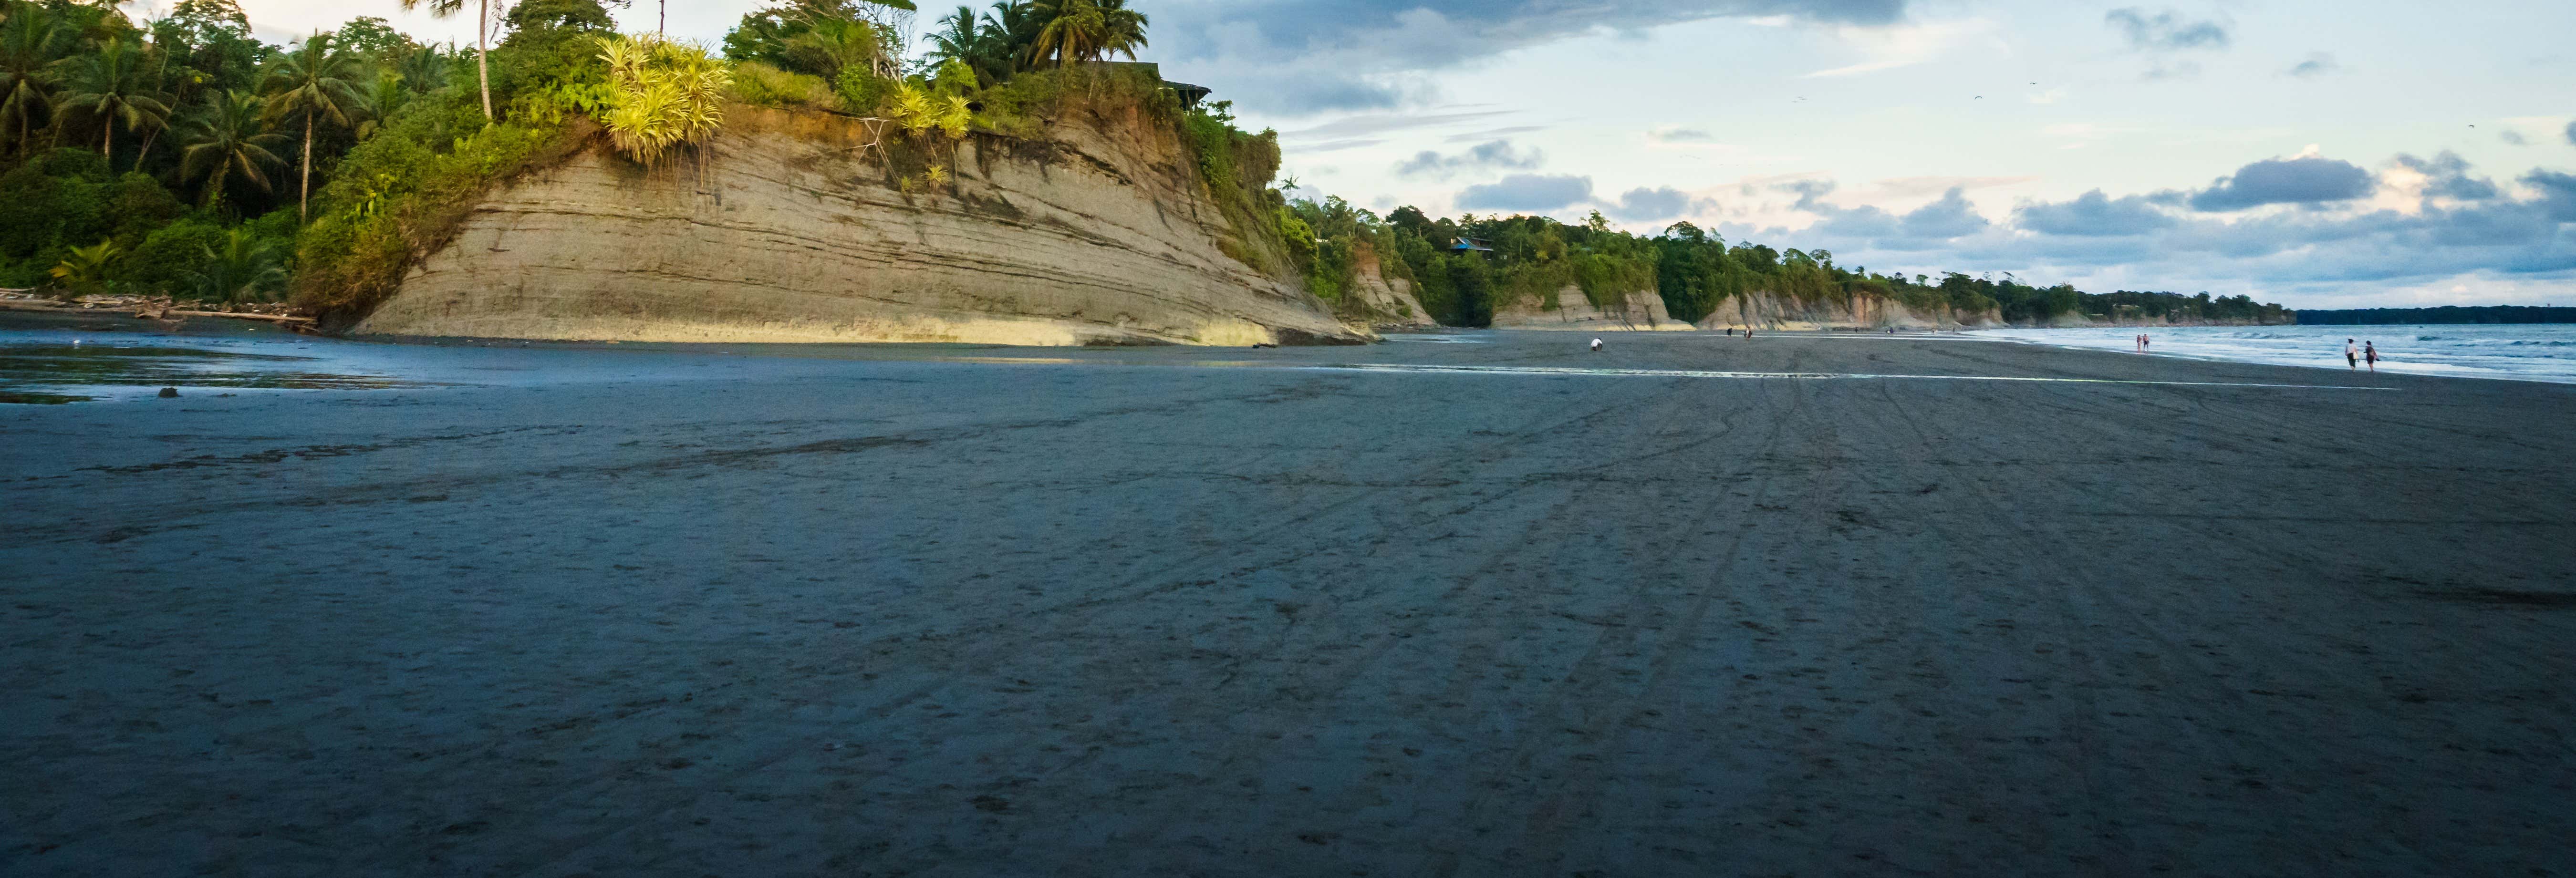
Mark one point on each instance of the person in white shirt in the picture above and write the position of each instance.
(2351, 355)
(1596, 345)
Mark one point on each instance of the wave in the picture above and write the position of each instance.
(2546, 353)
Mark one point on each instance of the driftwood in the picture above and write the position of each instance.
(272, 318)
(167, 315)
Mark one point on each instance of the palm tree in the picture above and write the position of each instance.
(1125, 29)
(244, 268)
(228, 139)
(318, 83)
(26, 50)
(482, 38)
(961, 37)
(388, 95)
(424, 70)
(1074, 31)
(1086, 30)
(837, 43)
(108, 85)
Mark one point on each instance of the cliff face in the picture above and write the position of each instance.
(1768, 311)
(1389, 301)
(782, 230)
(2085, 321)
(1640, 310)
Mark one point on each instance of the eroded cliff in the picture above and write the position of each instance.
(1388, 302)
(784, 228)
(1852, 311)
(1567, 308)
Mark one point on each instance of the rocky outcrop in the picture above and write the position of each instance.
(1856, 311)
(783, 229)
(1643, 310)
(1388, 301)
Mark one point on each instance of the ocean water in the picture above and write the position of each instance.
(2525, 351)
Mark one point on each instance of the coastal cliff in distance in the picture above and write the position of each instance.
(1568, 308)
(1852, 311)
(782, 228)
(1388, 301)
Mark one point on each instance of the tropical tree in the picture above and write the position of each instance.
(831, 45)
(961, 37)
(482, 38)
(204, 47)
(227, 139)
(991, 45)
(1010, 28)
(109, 85)
(316, 81)
(246, 267)
(385, 95)
(27, 41)
(422, 70)
(1086, 30)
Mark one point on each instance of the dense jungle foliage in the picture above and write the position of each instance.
(2447, 314)
(1536, 258)
(182, 156)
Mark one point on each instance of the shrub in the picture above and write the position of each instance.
(166, 258)
(761, 85)
(863, 92)
(237, 266)
(84, 271)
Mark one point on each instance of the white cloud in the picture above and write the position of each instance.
(1888, 48)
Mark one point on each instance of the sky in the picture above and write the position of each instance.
(2316, 153)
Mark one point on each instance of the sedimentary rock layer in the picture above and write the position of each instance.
(784, 228)
(1643, 309)
(1389, 300)
(1769, 311)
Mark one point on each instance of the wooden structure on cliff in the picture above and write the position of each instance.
(1190, 95)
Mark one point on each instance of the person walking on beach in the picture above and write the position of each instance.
(2351, 355)
(2370, 355)
(1596, 345)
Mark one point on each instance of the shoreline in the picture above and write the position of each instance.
(374, 360)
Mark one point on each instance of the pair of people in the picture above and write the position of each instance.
(2354, 358)
(2142, 341)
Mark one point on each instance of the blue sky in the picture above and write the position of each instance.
(2320, 154)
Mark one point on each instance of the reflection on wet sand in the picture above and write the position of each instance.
(26, 370)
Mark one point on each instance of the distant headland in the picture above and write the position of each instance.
(2444, 314)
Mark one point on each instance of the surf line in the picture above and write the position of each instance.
(1803, 376)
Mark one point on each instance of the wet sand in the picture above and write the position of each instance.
(849, 612)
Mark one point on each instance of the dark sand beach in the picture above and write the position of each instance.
(888, 611)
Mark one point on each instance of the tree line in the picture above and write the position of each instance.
(1538, 258)
(2441, 315)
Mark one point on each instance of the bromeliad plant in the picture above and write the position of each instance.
(662, 95)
